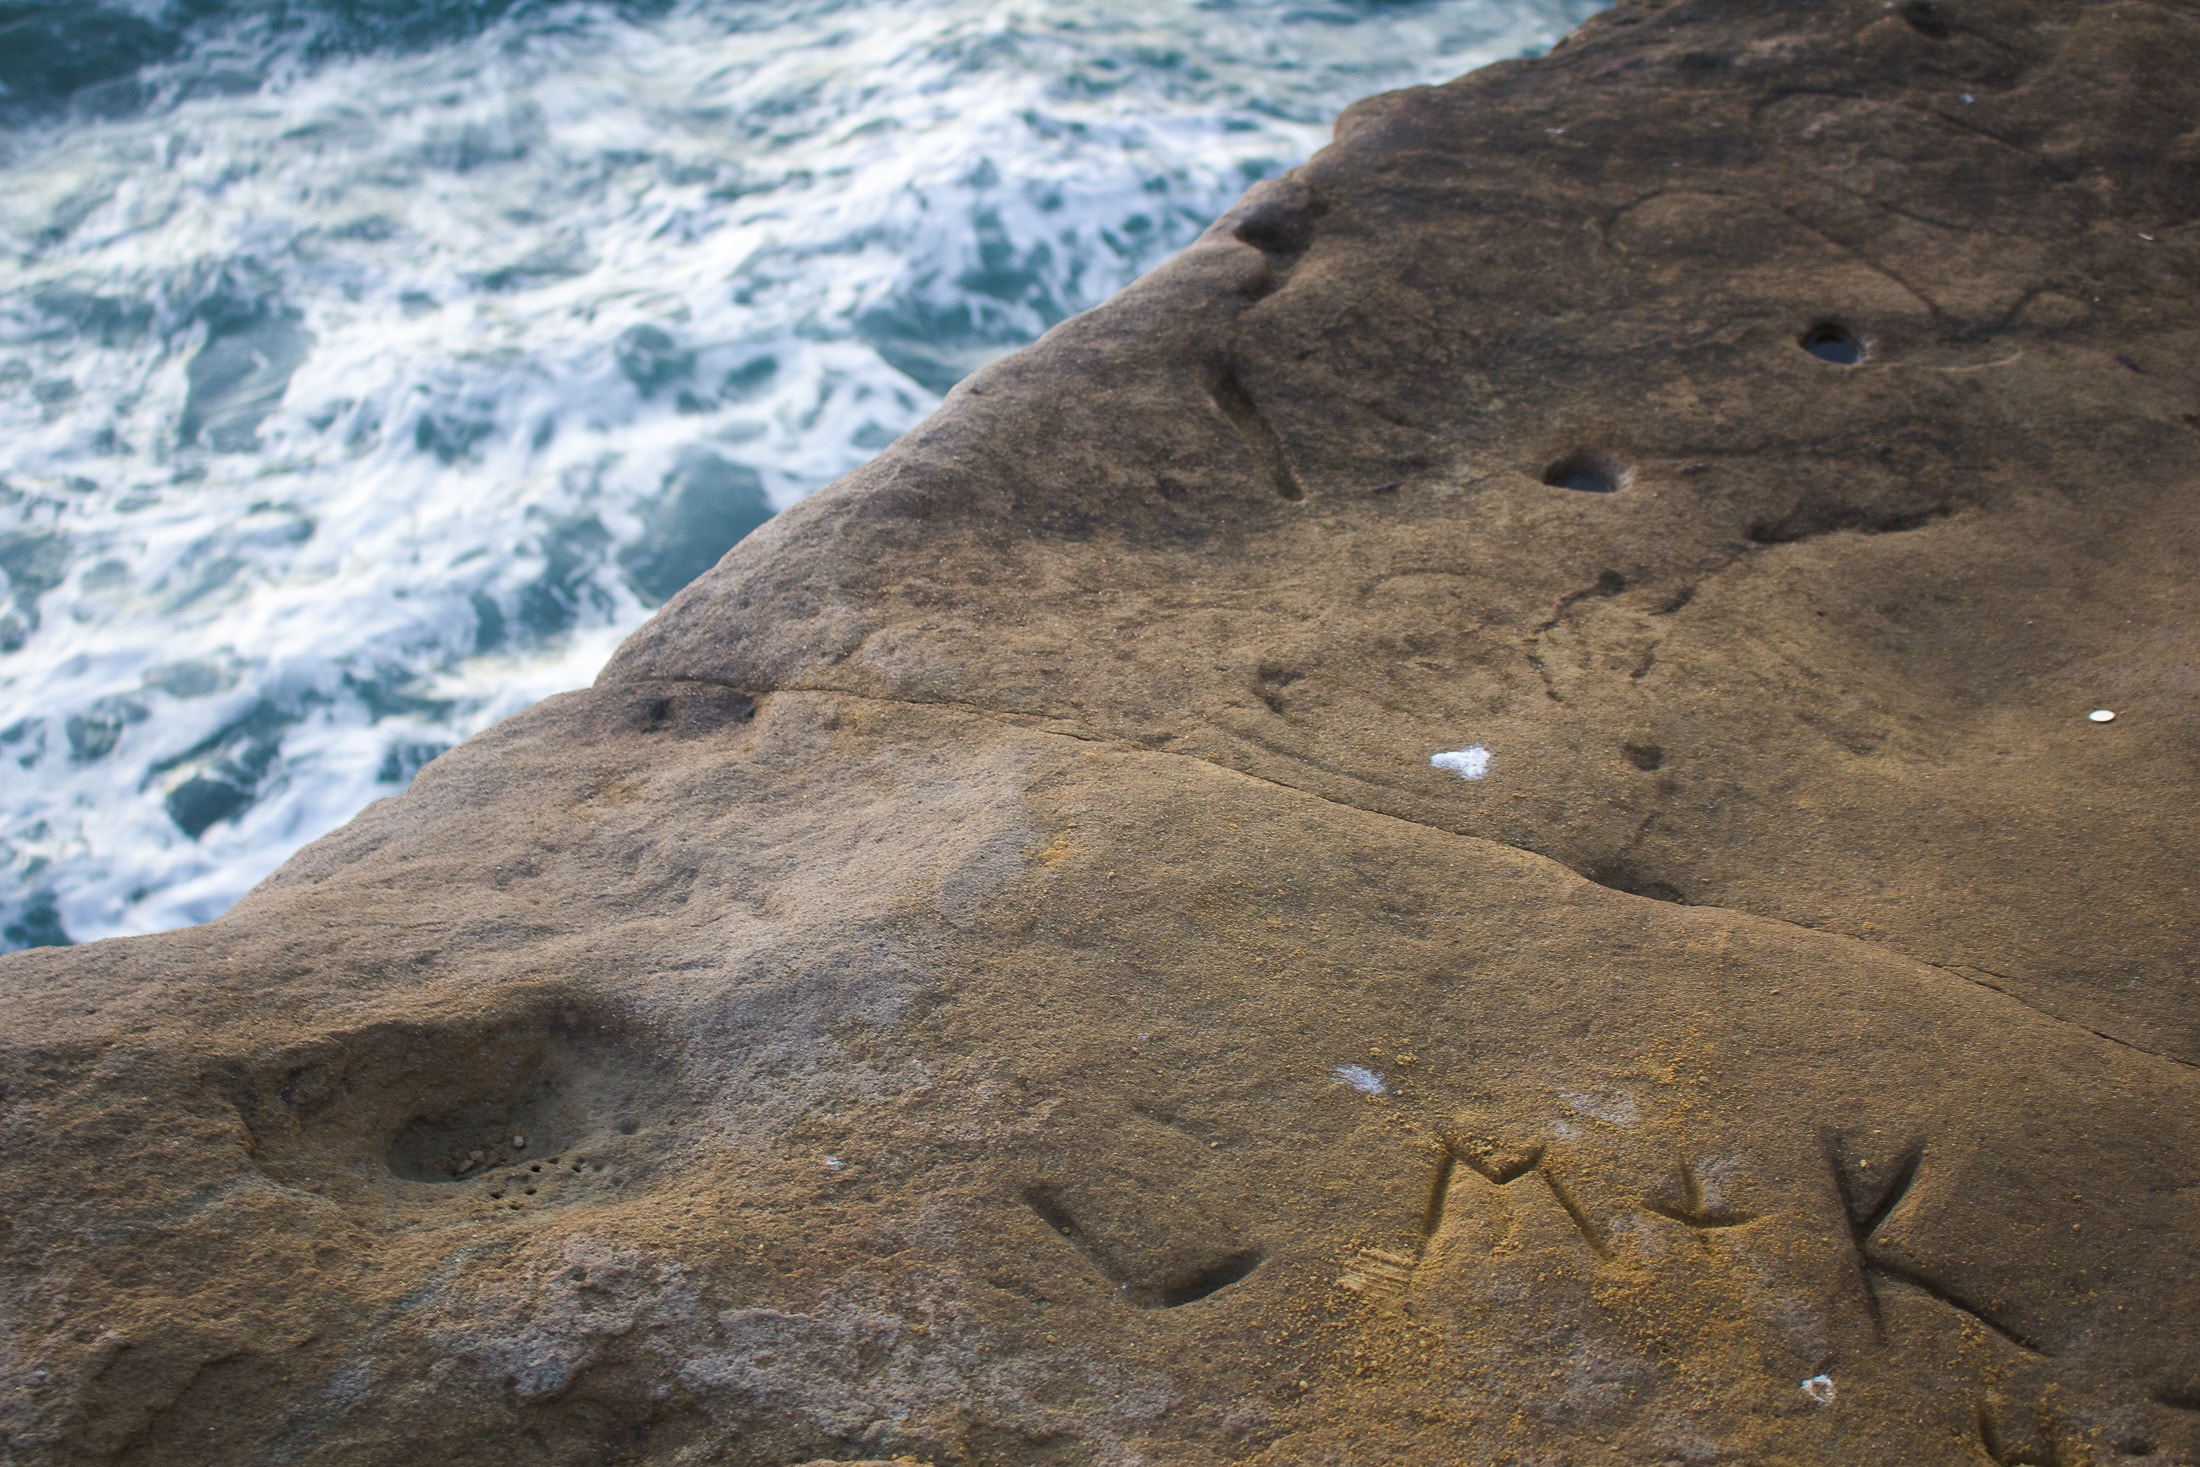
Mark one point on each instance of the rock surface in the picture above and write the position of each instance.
(990, 974)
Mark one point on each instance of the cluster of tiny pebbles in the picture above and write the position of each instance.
(495, 1149)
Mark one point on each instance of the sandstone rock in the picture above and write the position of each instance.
(991, 974)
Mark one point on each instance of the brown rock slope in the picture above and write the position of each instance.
(905, 1008)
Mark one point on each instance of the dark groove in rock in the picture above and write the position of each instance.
(1566, 1199)
(1691, 1208)
(1867, 1213)
(1439, 1193)
(1261, 443)
(1211, 1279)
(1499, 1167)
(1961, 1305)
(1809, 523)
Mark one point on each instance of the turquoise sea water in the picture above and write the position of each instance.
(367, 371)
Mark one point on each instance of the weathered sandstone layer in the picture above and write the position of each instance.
(990, 974)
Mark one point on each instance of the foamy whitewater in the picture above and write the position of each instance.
(366, 377)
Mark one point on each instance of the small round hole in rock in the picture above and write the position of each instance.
(1928, 19)
(1586, 474)
(1830, 341)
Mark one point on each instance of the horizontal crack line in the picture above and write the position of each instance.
(1958, 971)
(1063, 728)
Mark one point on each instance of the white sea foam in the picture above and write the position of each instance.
(345, 414)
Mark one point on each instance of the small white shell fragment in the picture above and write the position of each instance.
(1820, 1389)
(2103, 715)
(1472, 762)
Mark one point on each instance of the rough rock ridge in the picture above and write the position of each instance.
(990, 974)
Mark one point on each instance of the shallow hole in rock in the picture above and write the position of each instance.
(1588, 473)
(1830, 341)
(1212, 1279)
(459, 1143)
(1620, 876)
(1927, 19)
(2180, 1397)
(1126, 1258)
(472, 1106)
(1045, 1202)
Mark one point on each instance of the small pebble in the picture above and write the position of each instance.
(520, 1142)
(2103, 715)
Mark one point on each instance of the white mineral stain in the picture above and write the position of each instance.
(1613, 1107)
(1472, 762)
(1362, 1079)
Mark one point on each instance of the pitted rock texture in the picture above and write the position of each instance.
(991, 975)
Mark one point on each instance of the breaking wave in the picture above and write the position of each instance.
(368, 371)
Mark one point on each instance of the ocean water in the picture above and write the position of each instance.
(368, 371)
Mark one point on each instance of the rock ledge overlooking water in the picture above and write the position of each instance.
(992, 973)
